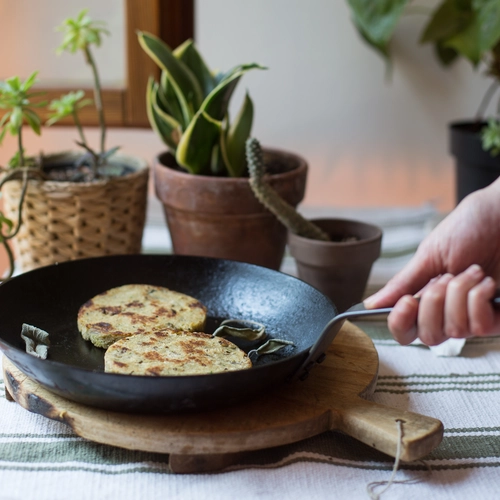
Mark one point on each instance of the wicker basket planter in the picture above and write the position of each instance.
(70, 220)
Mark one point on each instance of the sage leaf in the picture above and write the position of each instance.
(270, 347)
(243, 329)
(36, 340)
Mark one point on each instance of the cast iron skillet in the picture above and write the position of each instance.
(49, 298)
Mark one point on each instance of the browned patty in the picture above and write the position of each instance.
(132, 309)
(173, 352)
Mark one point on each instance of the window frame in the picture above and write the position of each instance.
(171, 20)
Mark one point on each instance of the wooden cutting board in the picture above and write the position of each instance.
(332, 398)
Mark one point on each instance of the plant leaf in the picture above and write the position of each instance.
(446, 55)
(216, 103)
(194, 151)
(237, 135)
(168, 101)
(189, 55)
(33, 120)
(450, 18)
(181, 77)
(377, 20)
(168, 129)
(467, 42)
(489, 20)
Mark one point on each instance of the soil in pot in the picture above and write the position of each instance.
(339, 268)
(220, 216)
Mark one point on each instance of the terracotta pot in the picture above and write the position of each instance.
(339, 269)
(220, 216)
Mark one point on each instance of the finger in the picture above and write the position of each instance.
(456, 317)
(402, 321)
(483, 319)
(431, 312)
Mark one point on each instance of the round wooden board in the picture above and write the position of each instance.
(331, 398)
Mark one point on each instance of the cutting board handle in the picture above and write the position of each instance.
(379, 427)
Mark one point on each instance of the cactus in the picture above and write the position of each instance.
(285, 213)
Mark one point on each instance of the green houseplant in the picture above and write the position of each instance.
(80, 203)
(467, 29)
(202, 178)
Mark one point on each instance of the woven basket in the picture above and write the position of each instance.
(70, 220)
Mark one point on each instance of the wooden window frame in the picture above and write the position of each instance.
(171, 20)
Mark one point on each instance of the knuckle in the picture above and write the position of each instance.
(479, 329)
(454, 331)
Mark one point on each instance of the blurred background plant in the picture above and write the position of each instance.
(468, 29)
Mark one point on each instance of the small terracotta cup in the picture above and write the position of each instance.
(339, 268)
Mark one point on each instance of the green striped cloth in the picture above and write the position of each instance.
(42, 459)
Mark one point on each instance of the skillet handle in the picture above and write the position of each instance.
(317, 351)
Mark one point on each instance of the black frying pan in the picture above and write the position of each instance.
(49, 298)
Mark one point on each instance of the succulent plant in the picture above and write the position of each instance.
(80, 34)
(16, 99)
(188, 109)
(285, 213)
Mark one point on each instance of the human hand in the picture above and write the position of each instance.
(448, 307)
(454, 293)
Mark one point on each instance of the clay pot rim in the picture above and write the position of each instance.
(301, 165)
(364, 241)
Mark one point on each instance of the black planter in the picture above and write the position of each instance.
(475, 168)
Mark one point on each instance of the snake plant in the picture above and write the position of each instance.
(188, 109)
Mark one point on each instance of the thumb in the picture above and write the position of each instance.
(412, 278)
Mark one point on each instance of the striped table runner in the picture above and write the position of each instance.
(42, 459)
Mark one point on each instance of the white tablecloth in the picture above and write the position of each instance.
(42, 459)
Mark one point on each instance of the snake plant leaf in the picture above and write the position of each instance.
(189, 55)
(376, 21)
(163, 124)
(194, 151)
(240, 68)
(168, 101)
(216, 103)
(235, 140)
(217, 163)
(181, 77)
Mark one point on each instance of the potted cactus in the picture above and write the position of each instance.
(70, 204)
(333, 255)
(457, 29)
(202, 178)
